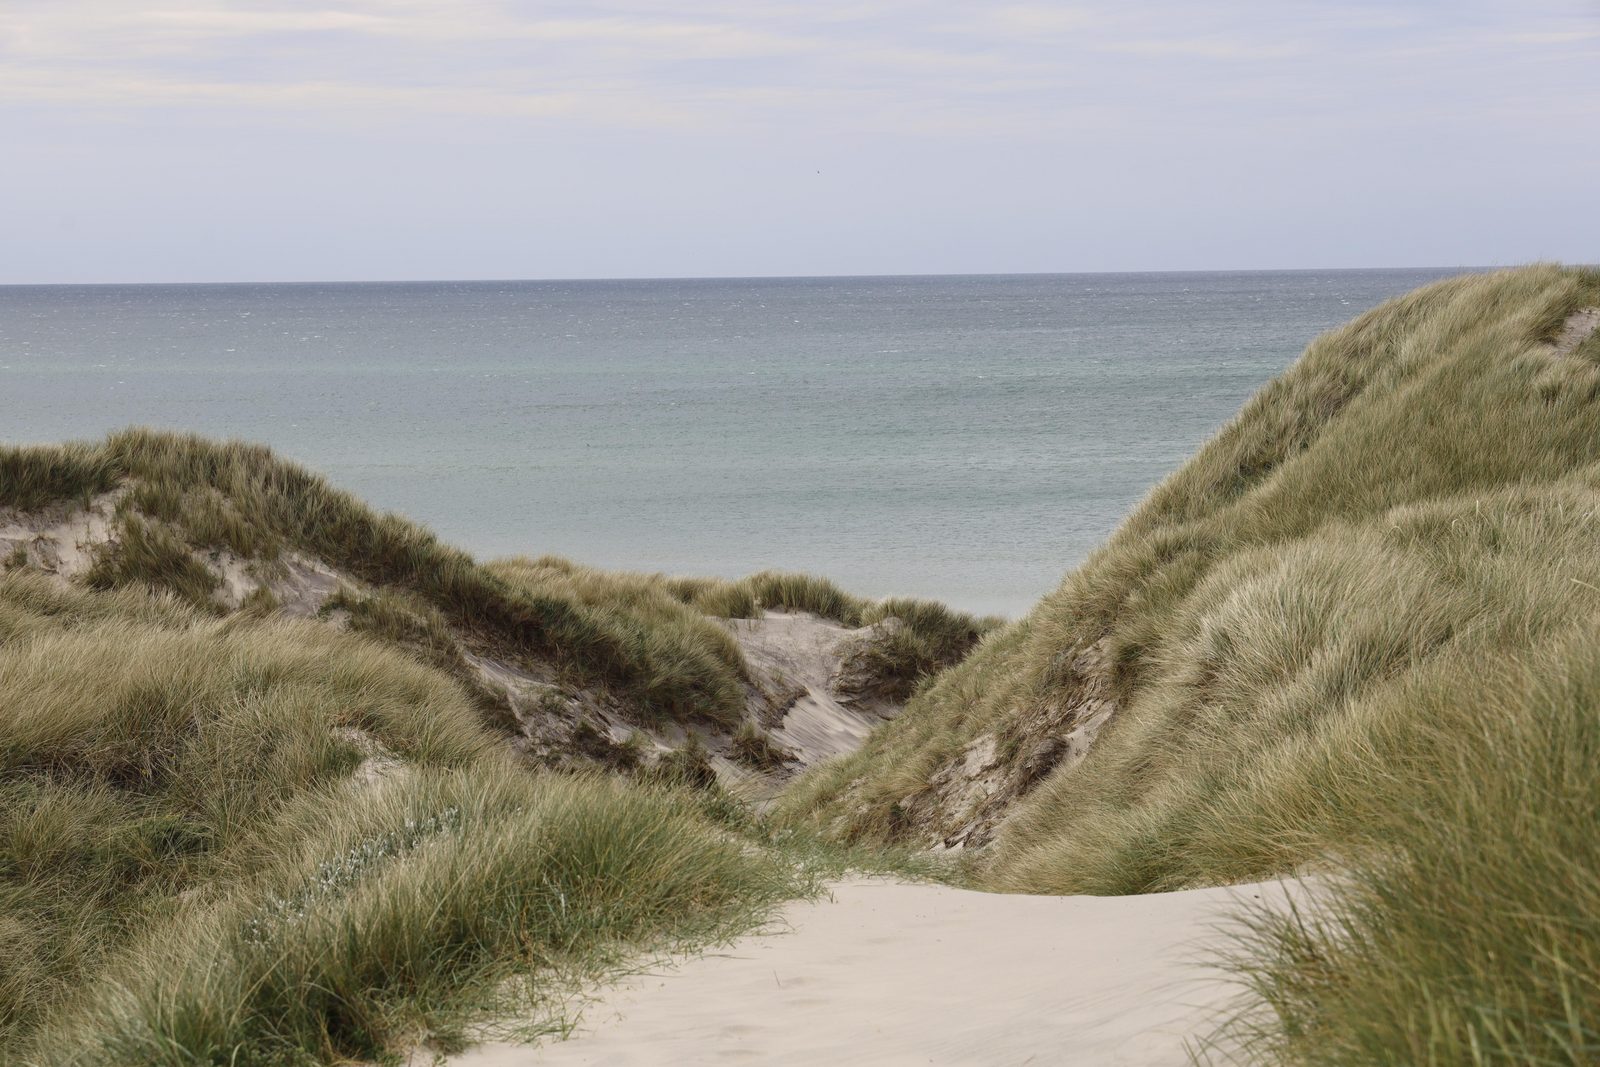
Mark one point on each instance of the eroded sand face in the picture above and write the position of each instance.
(60, 539)
(889, 973)
(795, 656)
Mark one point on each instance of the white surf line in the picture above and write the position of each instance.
(891, 973)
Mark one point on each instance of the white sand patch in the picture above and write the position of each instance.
(796, 655)
(236, 577)
(1576, 330)
(299, 583)
(377, 762)
(306, 583)
(60, 540)
(890, 973)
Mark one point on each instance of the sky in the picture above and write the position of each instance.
(231, 140)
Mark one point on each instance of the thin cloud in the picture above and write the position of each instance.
(1042, 62)
(878, 124)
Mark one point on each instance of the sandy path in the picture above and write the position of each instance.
(887, 973)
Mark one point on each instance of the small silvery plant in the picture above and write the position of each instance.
(338, 875)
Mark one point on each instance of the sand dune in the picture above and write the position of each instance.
(889, 973)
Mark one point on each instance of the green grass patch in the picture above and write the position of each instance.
(410, 913)
(259, 841)
(679, 657)
(151, 555)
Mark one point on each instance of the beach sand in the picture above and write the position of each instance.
(893, 973)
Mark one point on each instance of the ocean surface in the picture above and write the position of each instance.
(964, 438)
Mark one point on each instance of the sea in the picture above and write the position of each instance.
(968, 439)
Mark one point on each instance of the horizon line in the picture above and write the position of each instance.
(768, 277)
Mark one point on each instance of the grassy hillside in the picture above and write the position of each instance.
(188, 492)
(1359, 625)
(254, 841)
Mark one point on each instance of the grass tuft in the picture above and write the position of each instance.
(37, 476)
(150, 555)
(688, 766)
(754, 747)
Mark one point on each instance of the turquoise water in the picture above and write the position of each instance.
(966, 438)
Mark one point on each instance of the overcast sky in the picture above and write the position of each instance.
(216, 140)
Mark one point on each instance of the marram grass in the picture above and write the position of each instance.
(1466, 929)
(261, 842)
(425, 898)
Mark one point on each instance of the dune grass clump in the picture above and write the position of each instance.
(251, 841)
(151, 555)
(398, 619)
(678, 643)
(420, 903)
(688, 766)
(914, 640)
(754, 747)
(782, 591)
(140, 737)
(410, 623)
(207, 517)
(1467, 929)
(37, 476)
(718, 597)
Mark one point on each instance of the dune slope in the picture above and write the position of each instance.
(1357, 630)
(1342, 530)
